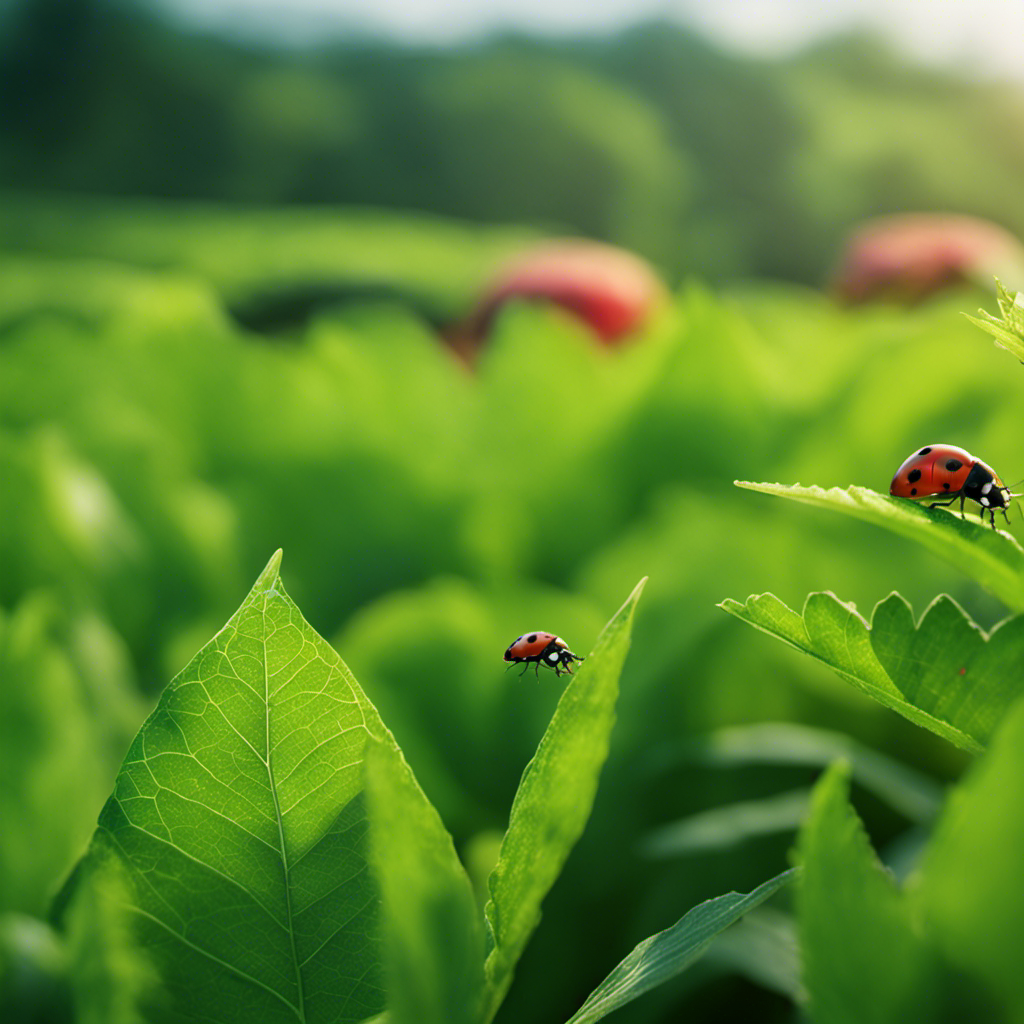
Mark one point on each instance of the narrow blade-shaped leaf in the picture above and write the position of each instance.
(992, 558)
(238, 819)
(433, 946)
(670, 952)
(863, 964)
(945, 674)
(554, 800)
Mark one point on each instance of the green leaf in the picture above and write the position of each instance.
(668, 953)
(910, 792)
(238, 821)
(945, 674)
(433, 945)
(1008, 327)
(553, 802)
(992, 558)
(971, 890)
(862, 961)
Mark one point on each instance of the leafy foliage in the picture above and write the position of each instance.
(944, 673)
(153, 450)
(1008, 327)
(992, 557)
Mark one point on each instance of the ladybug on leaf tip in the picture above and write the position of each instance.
(541, 649)
(944, 469)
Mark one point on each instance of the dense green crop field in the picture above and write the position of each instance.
(155, 454)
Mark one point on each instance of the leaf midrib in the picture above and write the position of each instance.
(300, 1009)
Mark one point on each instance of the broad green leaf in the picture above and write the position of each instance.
(945, 674)
(432, 941)
(668, 953)
(553, 802)
(863, 964)
(1008, 327)
(947, 665)
(992, 558)
(238, 821)
(723, 827)
(910, 792)
(971, 891)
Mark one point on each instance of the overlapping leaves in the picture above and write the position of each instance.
(945, 673)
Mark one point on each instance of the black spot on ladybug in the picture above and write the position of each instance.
(913, 490)
(953, 465)
(913, 476)
(945, 487)
(532, 638)
(924, 451)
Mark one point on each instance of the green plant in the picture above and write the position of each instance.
(936, 949)
(274, 855)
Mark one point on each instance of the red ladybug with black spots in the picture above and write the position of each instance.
(944, 469)
(541, 649)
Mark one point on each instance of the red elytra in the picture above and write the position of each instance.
(540, 648)
(951, 472)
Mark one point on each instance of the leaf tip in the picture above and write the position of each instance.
(272, 571)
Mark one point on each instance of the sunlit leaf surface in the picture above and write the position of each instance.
(992, 558)
(666, 954)
(239, 820)
(945, 673)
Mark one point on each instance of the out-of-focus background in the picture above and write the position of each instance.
(276, 275)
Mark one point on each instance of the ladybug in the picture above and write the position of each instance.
(954, 473)
(542, 649)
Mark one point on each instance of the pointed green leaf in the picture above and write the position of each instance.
(554, 800)
(972, 881)
(992, 558)
(433, 945)
(945, 674)
(862, 961)
(238, 819)
(110, 974)
(1008, 327)
(670, 952)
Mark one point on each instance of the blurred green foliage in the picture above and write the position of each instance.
(153, 452)
(704, 161)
